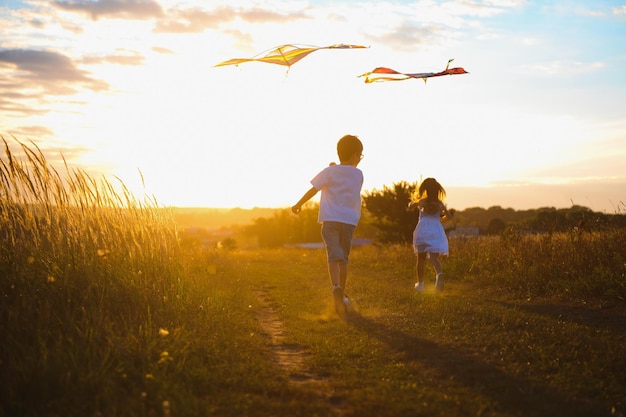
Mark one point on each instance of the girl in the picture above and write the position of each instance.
(429, 237)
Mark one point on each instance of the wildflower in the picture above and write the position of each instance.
(163, 332)
(149, 376)
(51, 278)
(165, 357)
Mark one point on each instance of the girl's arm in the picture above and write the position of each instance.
(446, 214)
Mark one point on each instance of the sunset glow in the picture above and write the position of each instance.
(128, 87)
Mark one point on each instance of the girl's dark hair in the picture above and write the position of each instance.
(431, 189)
(348, 146)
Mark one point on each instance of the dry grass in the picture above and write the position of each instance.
(102, 312)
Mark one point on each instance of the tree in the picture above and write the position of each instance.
(496, 226)
(388, 209)
(286, 228)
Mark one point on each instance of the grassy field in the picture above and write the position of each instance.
(103, 313)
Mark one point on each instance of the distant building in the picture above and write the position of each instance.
(357, 241)
(205, 238)
(464, 231)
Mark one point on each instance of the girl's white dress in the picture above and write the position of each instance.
(429, 235)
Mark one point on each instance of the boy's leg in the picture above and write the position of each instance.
(345, 240)
(334, 272)
(343, 274)
(338, 239)
(330, 235)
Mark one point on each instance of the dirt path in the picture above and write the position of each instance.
(293, 359)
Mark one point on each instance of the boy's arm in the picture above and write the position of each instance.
(306, 197)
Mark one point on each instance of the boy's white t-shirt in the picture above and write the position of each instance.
(341, 194)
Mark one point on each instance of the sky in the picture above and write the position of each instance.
(129, 89)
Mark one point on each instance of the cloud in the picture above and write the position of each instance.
(193, 20)
(114, 9)
(161, 50)
(196, 20)
(244, 41)
(37, 23)
(259, 15)
(120, 57)
(55, 154)
(562, 68)
(16, 103)
(419, 24)
(619, 11)
(44, 68)
(31, 132)
(407, 37)
(31, 75)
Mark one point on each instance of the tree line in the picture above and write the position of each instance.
(385, 218)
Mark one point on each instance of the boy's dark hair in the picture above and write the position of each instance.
(348, 146)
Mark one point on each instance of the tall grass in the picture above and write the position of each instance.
(104, 313)
(573, 265)
(85, 269)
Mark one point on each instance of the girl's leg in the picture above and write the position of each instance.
(436, 263)
(420, 266)
(434, 260)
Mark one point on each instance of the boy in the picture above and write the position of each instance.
(340, 211)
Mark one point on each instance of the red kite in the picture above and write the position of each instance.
(286, 55)
(387, 74)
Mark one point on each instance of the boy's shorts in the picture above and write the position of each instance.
(338, 240)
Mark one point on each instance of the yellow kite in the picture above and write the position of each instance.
(286, 55)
